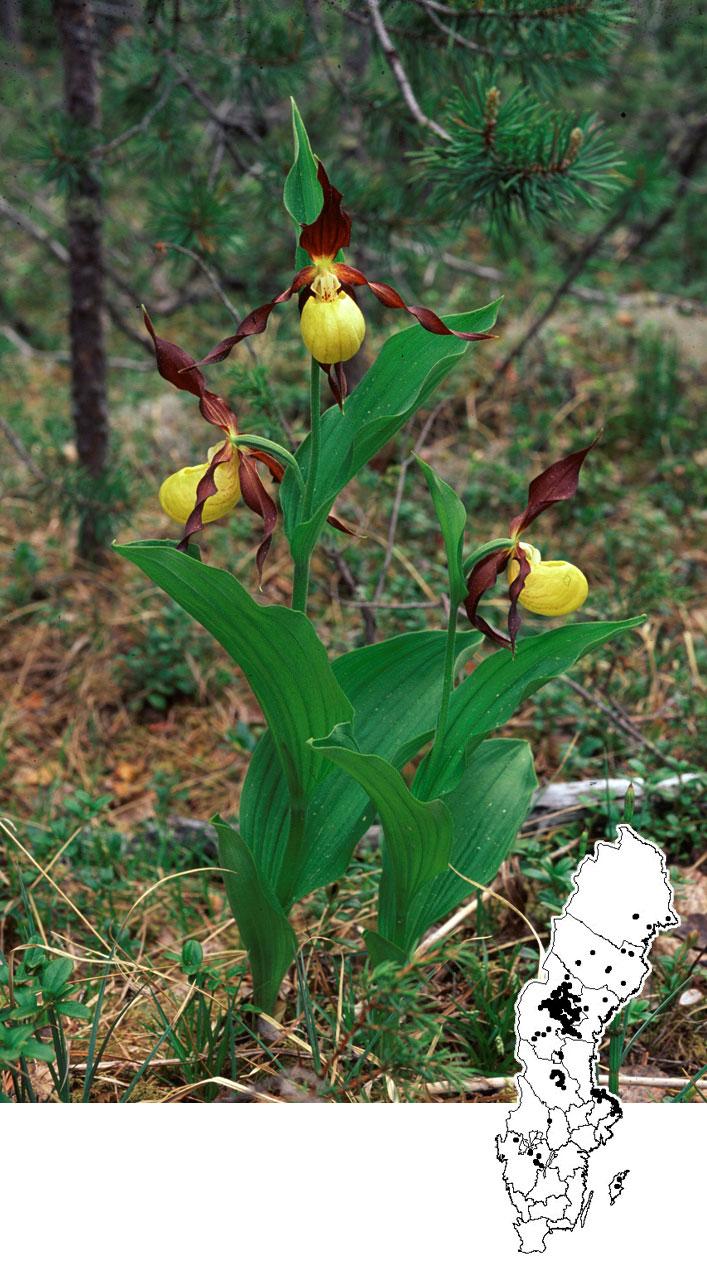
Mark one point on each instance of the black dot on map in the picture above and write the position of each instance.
(630, 953)
(605, 998)
(607, 970)
(548, 1029)
(623, 950)
(636, 916)
(566, 976)
(515, 1139)
(623, 983)
(578, 962)
(585, 1008)
(592, 953)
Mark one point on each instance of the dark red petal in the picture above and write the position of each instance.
(481, 578)
(278, 473)
(204, 489)
(178, 368)
(258, 500)
(428, 319)
(256, 321)
(557, 483)
(514, 591)
(331, 231)
(337, 381)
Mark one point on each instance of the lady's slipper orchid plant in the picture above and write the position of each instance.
(302, 810)
(331, 322)
(545, 588)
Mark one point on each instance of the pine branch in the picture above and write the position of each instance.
(109, 147)
(517, 158)
(401, 78)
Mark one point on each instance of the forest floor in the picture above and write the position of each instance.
(122, 723)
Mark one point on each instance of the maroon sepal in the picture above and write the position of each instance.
(256, 321)
(389, 297)
(204, 489)
(558, 483)
(340, 525)
(178, 368)
(481, 578)
(331, 231)
(258, 500)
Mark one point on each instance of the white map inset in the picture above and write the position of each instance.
(597, 961)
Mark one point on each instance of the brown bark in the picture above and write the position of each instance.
(10, 22)
(74, 19)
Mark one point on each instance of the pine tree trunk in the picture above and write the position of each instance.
(74, 19)
(10, 22)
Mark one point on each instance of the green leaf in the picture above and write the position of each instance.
(451, 516)
(38, 1050)
(74, 1009)
(488, 807)
(192, 958)
(496, 688)
(302, 194)
(389, 718)
(262, 924)
(417, 834)
(283, 659)
(55, 976)
(382, 950)
(410, 365)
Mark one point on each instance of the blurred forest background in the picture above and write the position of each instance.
(553, 153)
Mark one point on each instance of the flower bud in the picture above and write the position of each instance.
(333, 329)
(178, 492)
(551, 588)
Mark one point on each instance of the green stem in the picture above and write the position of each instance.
(291, 858)
(443, 715)
(617, 1037)
(300, 588)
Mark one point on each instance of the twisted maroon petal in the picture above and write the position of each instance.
(481, 578)
(514, 591)
(331, 231)
(259, 501)
(389, 297)
(256, 321)
(205, 488)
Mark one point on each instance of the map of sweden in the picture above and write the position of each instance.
(597, 961)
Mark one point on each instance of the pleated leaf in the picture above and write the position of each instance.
(390, 718)
(496, 688)
(262, 923)
(417, 834)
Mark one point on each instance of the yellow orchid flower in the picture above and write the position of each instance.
(546, 588)
(331, 322)
(178, 492)
(551, 588)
